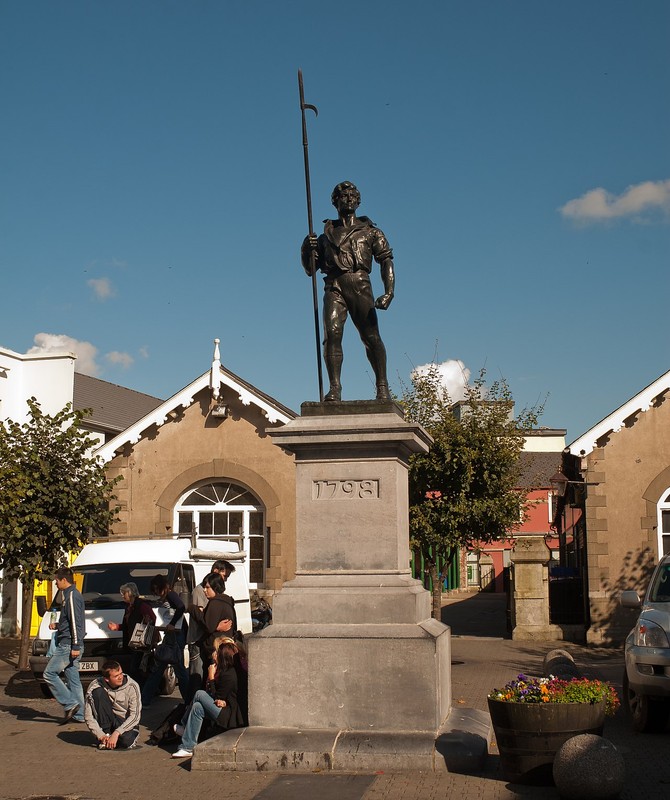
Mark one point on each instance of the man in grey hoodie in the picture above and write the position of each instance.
(113, 708)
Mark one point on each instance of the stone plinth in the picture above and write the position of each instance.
(352, 652)
(530, 557)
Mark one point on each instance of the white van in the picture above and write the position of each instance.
(102, 567)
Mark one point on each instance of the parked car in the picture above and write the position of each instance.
(646, 682)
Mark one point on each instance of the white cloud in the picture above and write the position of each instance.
(454, 376)
(598, 204)
(144, 351)
(102, 288)
(124, 360)
(60, 343)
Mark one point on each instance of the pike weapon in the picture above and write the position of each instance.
(312, 260)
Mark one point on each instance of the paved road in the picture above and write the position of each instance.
(41, 759)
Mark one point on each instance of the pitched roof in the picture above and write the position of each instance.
(114, 407)
(274, 411)
(625, 415)
(537, 468)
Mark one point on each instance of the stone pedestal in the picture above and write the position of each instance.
(530, 598)
(353, 660)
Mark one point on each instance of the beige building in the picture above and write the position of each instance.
(202, 462)
(625, 462)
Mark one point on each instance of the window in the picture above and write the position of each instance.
(664, 525)
(230, 512)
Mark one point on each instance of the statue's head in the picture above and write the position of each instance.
(345, 186)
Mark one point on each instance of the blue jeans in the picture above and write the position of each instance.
(68, 692)
(154, 677)
(202, 706)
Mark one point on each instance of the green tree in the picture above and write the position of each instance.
(53, 495)
(464, 491)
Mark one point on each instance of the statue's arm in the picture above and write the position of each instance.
(384, 256)
(388, 278)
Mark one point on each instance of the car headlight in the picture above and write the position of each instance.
(40, 646)
(649, 634)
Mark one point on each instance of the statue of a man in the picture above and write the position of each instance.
(344, 253)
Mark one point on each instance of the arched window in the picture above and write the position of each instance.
(664, 524)
(227, 511)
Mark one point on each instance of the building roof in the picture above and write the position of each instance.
(624, 416)
(115, 408)
(537, 468)
(221, 383)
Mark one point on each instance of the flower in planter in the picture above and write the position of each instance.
(554, 690)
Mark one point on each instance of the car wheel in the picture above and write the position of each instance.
(168, 681)
(46, 691)
(647, 714)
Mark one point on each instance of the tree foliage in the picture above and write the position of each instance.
(53, 495)
(463, 492)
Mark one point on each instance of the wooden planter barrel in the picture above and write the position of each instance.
(530, 734)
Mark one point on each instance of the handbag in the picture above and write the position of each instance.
(167, 651)
(142, 637)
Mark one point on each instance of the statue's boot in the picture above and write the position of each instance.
(383, 392)
(333, 357)
(334, 393)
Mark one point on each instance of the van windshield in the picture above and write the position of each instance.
(100, 583)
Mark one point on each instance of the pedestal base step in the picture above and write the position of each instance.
(461, 745)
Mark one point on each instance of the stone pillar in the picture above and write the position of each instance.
(352, 645)
(530, 598)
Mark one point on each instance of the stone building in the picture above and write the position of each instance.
(202, 462)
(618, 474)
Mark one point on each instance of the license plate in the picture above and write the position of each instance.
(88, 666)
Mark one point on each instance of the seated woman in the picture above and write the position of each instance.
(241, 664)
(218, 703)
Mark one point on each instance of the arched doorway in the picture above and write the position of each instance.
(228, 511)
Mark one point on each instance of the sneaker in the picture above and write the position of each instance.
(178, 729)
(69, 713)
(182, 753)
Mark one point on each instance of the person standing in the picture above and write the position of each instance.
(137, 610)
(177, 628)
(69, 646)
(113, 708)
(196, 632)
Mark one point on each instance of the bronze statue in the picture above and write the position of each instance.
(344, 253)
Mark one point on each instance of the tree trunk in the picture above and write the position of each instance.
(27, 592)
(436, 594)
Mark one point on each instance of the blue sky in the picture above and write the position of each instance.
(515, 154)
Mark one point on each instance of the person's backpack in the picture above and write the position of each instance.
(164, 733)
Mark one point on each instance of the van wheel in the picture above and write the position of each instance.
(647, 714)
(46, 691)
(168, 681)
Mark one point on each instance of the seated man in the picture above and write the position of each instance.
(113, 708)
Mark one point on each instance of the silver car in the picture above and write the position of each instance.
(646, 682)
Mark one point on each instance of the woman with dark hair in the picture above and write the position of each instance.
(217, 617)
(218, 703)
(177, 629)
(137, 610)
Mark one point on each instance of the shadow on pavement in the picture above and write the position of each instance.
(82, 737)
(23, 684)
(479, 614)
